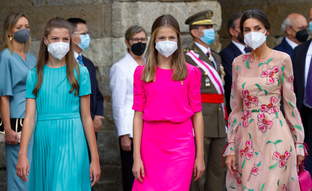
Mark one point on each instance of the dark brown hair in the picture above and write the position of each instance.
(256, 14)
(178, 61)
(43, 56)
(8, 26)
(231, 22)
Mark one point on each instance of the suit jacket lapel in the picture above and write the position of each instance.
(236, 51)
(303, 60)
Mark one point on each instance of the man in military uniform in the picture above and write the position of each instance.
(213, 106)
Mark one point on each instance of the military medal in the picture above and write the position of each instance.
(222, 73)
(209, 56)
(207, 81)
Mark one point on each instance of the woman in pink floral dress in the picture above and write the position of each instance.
(264, 147)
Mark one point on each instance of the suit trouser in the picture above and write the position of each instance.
(126, 167)
(15, 183)
(213, 177)
(306, 115)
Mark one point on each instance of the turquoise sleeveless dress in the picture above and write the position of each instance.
(60, 156)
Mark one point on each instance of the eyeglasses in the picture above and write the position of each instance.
(81, 33)
(136, 40)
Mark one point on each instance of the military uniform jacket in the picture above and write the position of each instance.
(214, 122)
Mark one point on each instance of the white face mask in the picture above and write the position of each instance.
(166, 48)
(255, 39)
(58, 49)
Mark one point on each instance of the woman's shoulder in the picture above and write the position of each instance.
(5, 53)
(191, 68)
(242, 58)
(279, 55)
(31, 56)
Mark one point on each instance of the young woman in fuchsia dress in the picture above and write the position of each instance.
(264, 146)
(167, 104)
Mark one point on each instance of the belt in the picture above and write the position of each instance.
(58, 116)
(212, 98)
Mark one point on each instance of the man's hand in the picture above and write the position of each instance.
(97, 122)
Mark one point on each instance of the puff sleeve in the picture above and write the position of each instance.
(194, 93)
(31, 84)
(84, 82)
(139, 96)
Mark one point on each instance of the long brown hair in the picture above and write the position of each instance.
(8, 27)
(43, 56)
(178, 62)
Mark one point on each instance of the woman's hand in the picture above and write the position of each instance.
(300, 159)
(138, 169)
(22, 167)
(230, 163)
(125, 143)
(199, 168)
(95, 172)
(11, 137)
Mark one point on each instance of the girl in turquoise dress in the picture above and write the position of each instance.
(58, 90)
(15, 62)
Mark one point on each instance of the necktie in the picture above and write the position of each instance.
(309, 86)
(79, 58)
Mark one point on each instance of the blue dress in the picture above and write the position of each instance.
(60, 155)
(13, 74)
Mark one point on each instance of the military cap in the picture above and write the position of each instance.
(201, 18)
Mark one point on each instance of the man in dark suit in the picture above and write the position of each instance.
(81, 41)
(302, 66)
(294, 28)
(200, 55)
(234, 49)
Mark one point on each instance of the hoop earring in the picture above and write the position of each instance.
(10, 37)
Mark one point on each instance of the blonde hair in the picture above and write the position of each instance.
(8, 26)
(178, 62)
(43, 56)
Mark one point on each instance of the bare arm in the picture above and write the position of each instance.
(22, 167)
(199, 165)
(138, 168)
(95, 169)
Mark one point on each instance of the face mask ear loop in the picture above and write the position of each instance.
(47, 41)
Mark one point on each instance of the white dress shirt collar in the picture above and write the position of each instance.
(76, 56)
(239, 46)
(291, 43)
(205, 50)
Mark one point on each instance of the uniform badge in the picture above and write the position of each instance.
(222, 73)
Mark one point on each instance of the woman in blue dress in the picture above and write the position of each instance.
(15, 62)
(58, 89)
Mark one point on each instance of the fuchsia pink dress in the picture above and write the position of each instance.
(167, 147)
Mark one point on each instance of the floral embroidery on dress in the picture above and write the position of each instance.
(270, 108)
(291, 79)
(263, 123)
(270, 74)
(249, 99)
(254, 171)
(285, 188)
(247, 151)
(247, 115)
(282, 159)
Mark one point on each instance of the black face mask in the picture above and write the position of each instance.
(138, 48)
(302, 35)
(240, 38)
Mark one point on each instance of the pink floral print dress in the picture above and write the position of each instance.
(265, 143)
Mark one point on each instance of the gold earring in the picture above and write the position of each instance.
(10, 37)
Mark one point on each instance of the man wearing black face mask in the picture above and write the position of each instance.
(121, 85)
(234, 49)
(295, 30)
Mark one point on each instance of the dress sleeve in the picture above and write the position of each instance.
(84, 82)
(6, 82)
(139, 96)
(31, 84)
(292, 114)
(194, 94)
(236, 114)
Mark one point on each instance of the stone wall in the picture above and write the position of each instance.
(107, 21)
(276, 10)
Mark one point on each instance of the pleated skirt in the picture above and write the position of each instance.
(60, 157)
